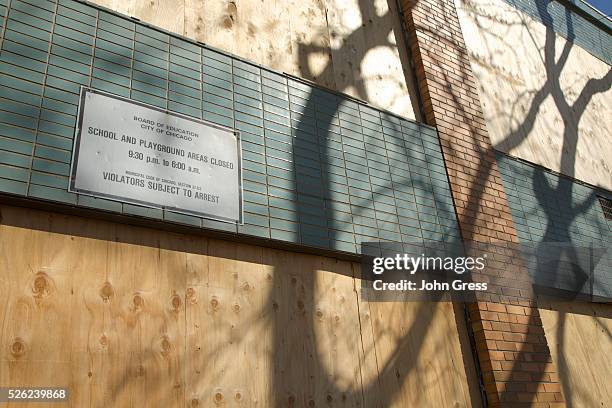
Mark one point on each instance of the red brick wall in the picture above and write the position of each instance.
(513, 353)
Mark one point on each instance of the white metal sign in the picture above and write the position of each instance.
(132, 152)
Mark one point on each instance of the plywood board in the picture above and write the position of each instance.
(129, 316)
(311, 57)
(35, 311)
(258, 31)
(120, 6)
(166, 14)
(580, 340)
(530, 97)
(317, 332)
(228, 337)
(407, 336)
(366, 57)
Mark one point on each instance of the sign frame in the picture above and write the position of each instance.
(75, 157)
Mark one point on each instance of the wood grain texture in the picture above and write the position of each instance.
(258, 31)
(166, 14)
(129, 316)
(311, 56)
(580, 339)
(126, 7)
(551, 109)
(35, 311)
(227, 335)
(365, 53)
(417, 342)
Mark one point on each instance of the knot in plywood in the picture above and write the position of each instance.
(190, 296)
(103, 341)
(107, 291)
(165, 345)
(140, 371)
(232, 15)
(176, 302)
(219, 398)
(18, 348)
(41, 287)
(137, 302)
(238, 396)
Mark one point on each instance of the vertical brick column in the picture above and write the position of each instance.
(513, 354)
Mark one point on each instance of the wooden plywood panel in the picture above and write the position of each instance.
(35, 312)
(418, 355)
(545, 99)
(196, 261)
(228, 337)
(128, 316)
(580, 340)
(347, 46)
(134, 323)
(158, 297)
(292, 303)
(310, 43)
(166, 14)
(121, 6)
(366, 57)
(97, 342)
(317, 337)
(110, 313)
(258, 31)
(211, 22)
(351, 46)
(336, 337)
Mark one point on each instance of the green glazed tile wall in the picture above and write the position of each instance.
(548, 208)
(319, 169)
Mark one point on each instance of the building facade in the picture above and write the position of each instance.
(435, 120)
